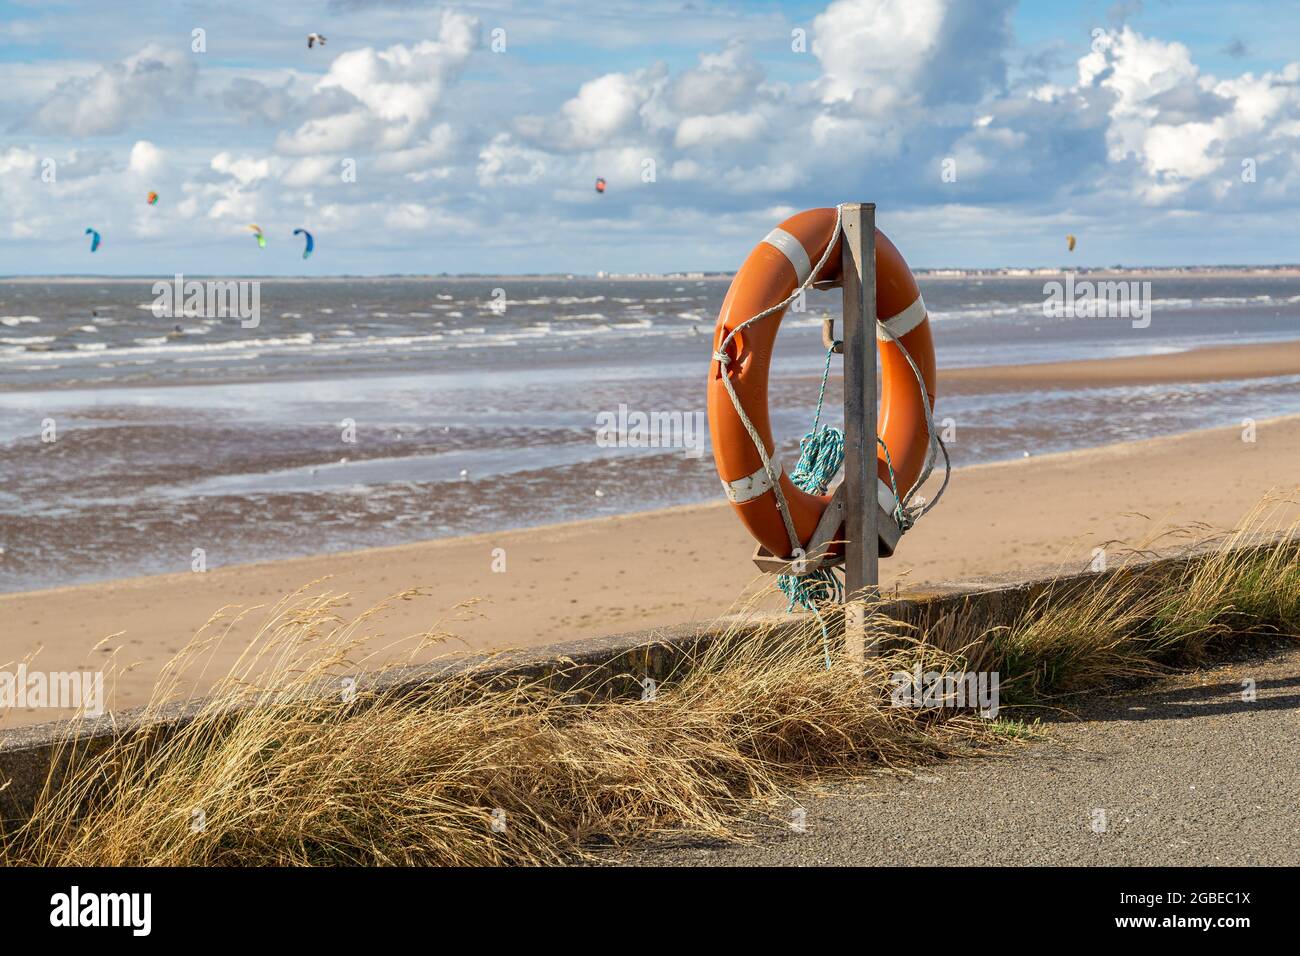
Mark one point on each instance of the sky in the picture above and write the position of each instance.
(467, 138)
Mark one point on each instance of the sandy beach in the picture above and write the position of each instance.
(684, 564)
(1217, 364)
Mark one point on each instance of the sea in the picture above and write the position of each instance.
(365, 412)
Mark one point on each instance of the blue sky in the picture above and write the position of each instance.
(1158, 133)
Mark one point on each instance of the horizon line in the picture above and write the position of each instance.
(936, 272)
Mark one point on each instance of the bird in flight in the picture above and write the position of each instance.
(313, 39)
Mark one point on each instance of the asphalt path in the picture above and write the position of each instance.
(1184, 771)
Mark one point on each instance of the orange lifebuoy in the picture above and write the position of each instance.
(774, 270)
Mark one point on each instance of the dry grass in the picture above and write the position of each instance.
(283, 773)
(1142, 623)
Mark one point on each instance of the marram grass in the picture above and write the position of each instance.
(272, 771)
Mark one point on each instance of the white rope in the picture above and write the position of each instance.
(932, 439)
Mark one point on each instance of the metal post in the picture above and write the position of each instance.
(861, 524)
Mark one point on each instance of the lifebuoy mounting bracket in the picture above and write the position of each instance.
(828, 337)
(818, 553)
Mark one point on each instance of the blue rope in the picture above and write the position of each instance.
(821, 452)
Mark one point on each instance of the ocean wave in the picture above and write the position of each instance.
(985, 312)
(996, 310)
(1238, 299)
(165, 346)
(181, 313)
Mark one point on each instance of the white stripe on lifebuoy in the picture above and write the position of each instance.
(904, 322)
(751, 486)
(793, 250)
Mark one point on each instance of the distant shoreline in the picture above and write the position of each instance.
(927, 275)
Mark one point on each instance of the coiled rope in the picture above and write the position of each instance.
(821, 452)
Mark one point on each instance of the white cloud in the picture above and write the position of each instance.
(134, 89)
(718, 129)
(605, 107)
(437, 147)
(238, 195)
(257, 102)
(345, 131)
(243, 169)
(686, 170)
(781, 175)
(875, 45)
(311, 171)
(15, 159)
(421, 218)
(146, 159)
(390, 93)
(886, 56)
(505, 162)
(720, 82)
(837, 132)
(1179, 125)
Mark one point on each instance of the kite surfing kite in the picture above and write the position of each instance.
(311, 243)
(1069, 241)
(600, 185)
(313, 39)
(94, 238)
(152, 197)
(261, 239)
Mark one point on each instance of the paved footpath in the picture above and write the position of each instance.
(1185, 770)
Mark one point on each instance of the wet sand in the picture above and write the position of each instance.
(1218, 364)
(677, 565)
